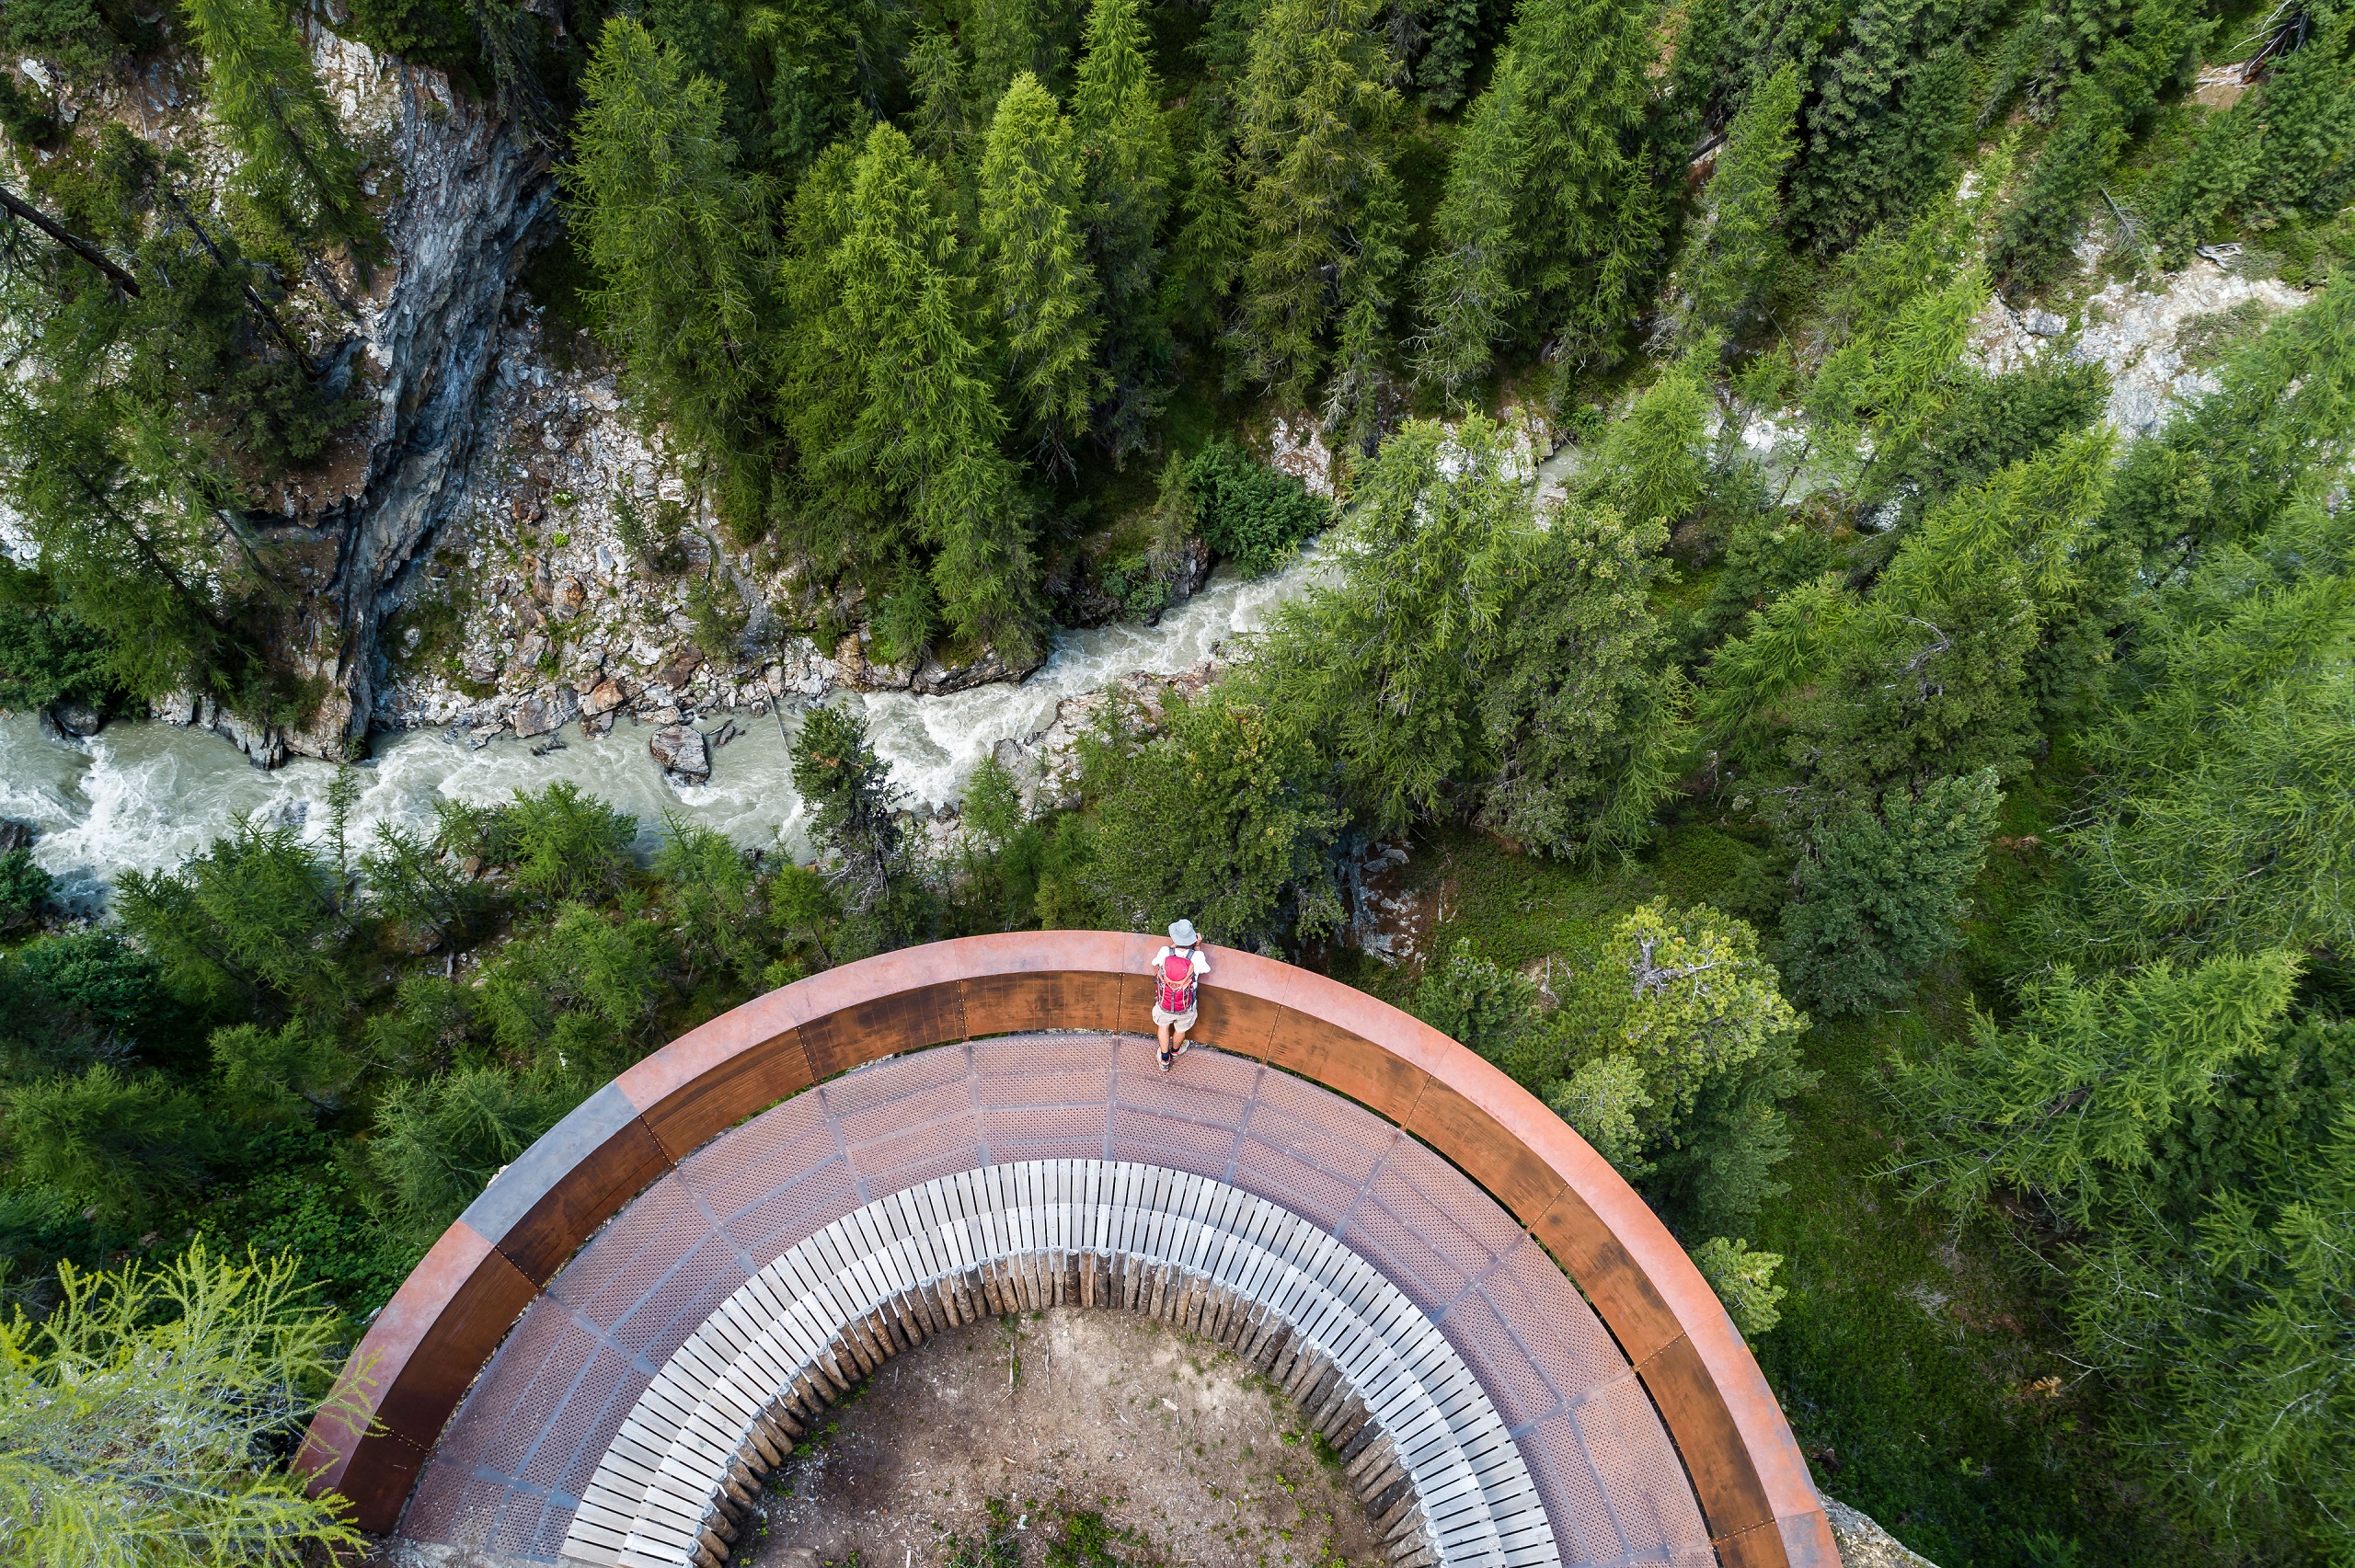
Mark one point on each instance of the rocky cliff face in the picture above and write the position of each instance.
(464, 201)
(472, 199)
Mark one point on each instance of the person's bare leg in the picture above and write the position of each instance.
(1177, 1034)
(1163, 1056)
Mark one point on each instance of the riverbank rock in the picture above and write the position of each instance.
(545, 712)
(15, 835)
(76, 718)
(607, 696)
(937, 679)
(683, 754)
(263, 744)
(2131, 331)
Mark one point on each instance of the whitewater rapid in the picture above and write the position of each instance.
(142, 796)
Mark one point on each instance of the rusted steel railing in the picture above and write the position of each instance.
(427, 1346)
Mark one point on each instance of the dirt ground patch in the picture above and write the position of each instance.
(1014, 1436)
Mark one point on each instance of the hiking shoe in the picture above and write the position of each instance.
(1164, 1058)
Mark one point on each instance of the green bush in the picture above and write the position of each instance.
(1475, 1002)
(317, 1216)
(1250, 513)
(24, 889)
(1743, 1281)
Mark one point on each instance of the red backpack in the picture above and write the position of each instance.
(1177, 982)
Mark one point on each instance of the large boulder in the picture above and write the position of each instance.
(545, 712)
(607, 696)
(683, 754)
(77, 717)
(937, 679)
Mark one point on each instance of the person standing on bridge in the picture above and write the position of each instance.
(1177, 971)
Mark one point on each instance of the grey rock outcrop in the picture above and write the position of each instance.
(934, 679)
(1864, 1544)
(263, 744)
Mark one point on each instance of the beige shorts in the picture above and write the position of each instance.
(1179, 1020)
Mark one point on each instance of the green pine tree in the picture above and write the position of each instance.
(1317, 118)
(2037, 240)
(1042, 293)
(1213, 237)
(1125, 154)
(1386, 665)
(1584, 716)
(1881, 892)
(2309, 108)
(1654, 462)
(1009, 36)
(1587, 217)
(680, 239)
(1889, 114)
(917, 423)
(1471, 283)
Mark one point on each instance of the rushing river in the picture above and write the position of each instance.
(140, 796)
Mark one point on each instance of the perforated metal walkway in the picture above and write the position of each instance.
(511, 1469)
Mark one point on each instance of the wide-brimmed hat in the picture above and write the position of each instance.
(1182, 933)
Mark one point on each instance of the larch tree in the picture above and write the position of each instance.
(2309, 108)
(2069, 1102)
(680, 238)
(140, 1419)
(298, 174)
(1733, 258)
(1126, 165)
(1386, 664)
(1317, 116)
(942, 122)
(1043, 292)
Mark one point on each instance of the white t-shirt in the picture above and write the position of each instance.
(1202, 967)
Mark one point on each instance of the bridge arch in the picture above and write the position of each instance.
(507, 1270)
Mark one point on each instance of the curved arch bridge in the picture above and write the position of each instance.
(598, 1360)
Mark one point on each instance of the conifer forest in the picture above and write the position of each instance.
(1963, 747)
